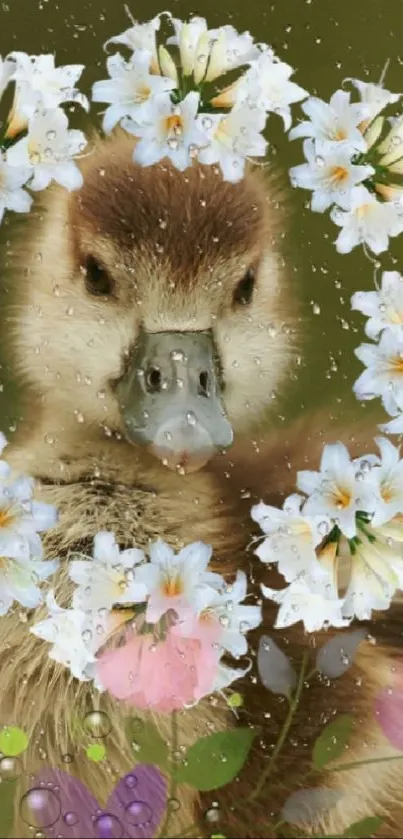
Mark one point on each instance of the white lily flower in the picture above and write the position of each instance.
(384, 308)
(130, 89)
(223, 607)
(308, 601)
(331, 176)
(232, 138)
(230, 50)
(335, 490)
(140, 36)
(21, 518)
(374, 96)
(266, 84)
(392, 147)
(194, 42)
(373, 578)
(369, 221)
(395, 409)
(66, 630)
(291, 537)
(48, 150)
(7, 68)
(20, 575)
(4, 467)
(172, 132)
(384, 374)
(333, 123)
(40, 84)
(108, 578)
(177, 581)
(386, 478)
(12, 196)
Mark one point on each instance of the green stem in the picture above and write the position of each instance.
(357, 763)
(284, 731)
(163, 833)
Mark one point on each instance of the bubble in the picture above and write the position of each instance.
(40, 807)
(108, 826)
(138, 813)
(10, 768)
(97, 723)
(70, 818)
(212, 815)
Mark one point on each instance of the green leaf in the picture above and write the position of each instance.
(147, 743)
(13, 741)
(7, 796)
(364, 828)
(332, 741)
(215, 760)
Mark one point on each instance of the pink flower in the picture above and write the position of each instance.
(389, 708)
(164, 675)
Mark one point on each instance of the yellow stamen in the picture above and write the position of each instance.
(6, 518)
(396, 364)
(174, 124)
(387, 492)
(342, 498)
(339, 174)
(172, 587)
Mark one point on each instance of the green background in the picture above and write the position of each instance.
(325, 41)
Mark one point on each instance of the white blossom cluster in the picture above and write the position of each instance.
(352, 167)
(340, 545)
(383, 358)
(22, 568)
(173, 100)
(168, 598)
(37, 146)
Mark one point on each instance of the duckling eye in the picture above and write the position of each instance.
(244, 290)
(97, 279)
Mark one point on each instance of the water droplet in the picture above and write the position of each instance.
(67, 758)
(138, 813)
(108, 826)
(40, 807)
(97, 723)
(224, 620)
(207, 122)
(86, 635)
(51, 135)
(131, 781)
(212, 815)
(191, 418)
(10, 768)
(70, 818)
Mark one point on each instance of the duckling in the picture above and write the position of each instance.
(154, 322)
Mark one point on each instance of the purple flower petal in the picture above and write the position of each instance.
(139, 801)
(79, 808)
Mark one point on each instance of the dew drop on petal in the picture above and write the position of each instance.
(138, 813)
(40, 807)
(70, 818)
(108, 826)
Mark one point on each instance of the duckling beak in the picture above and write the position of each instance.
(170, 399)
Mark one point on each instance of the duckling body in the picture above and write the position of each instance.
(173, 253)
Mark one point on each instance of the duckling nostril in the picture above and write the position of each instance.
(153, 380)
(204, 383)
